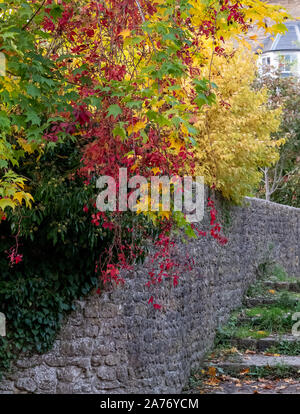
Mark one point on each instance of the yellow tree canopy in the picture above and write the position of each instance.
(235, 133)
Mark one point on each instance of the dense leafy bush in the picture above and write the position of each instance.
(60, 247)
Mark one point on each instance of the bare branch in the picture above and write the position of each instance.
(33, 16)
(143, 18)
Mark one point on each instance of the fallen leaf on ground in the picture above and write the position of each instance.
(235, 380)
(262, 380)
(212, 382)
(245, 371)
(270, 354)
(212, 371)
(267, 386)
(248, 351)
(282, 387)
(232, 350)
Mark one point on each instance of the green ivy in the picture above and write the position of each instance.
(60, 247)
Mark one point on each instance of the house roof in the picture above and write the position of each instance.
(290, 40)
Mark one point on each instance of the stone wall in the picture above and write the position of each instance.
(117, 343)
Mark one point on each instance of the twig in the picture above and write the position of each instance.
(33, 16)
(143, 18)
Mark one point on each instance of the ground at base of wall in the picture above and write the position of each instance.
(232, 385)
(256, 352)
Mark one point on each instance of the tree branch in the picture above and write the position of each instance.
(33, 16)
(143, 18)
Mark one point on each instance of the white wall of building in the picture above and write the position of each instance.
(287, 61)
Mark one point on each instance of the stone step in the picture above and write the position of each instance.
(259, 301)
(262, 344)
(290, 286)
(245, 320)
(262, 301)
(255, 320)
(257, 361)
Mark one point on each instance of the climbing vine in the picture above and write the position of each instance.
(92, 87)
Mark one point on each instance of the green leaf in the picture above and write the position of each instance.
(134, 104)
(120, 131)
(95, 101)
(33, 118)
(33, 91)
(193, 141)
(201, 100)
(144, 136)
(158, 118)
(4, 120)
(3, 163)
(280, 27)
(80, 70)
(114, 110)
(56, 11)
(6, 202)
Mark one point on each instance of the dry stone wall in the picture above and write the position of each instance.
(117, 343)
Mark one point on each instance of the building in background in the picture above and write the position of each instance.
(283, 52)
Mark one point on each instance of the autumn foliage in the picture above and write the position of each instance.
(235, 134)
(146, 85)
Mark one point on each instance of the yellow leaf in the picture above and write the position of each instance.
(165, 214)
(125, 33)
(19, 196)
(134, 167)
(175, 144)
(155, 170)
(27, 147)
(28, 198)
(184, 130)
(137, 127)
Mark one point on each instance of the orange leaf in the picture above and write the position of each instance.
(125, 33)
(212, 371)
(213, 382)
(245, 371)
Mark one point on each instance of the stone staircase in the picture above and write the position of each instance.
(257, 351)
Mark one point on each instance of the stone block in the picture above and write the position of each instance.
(106, 373)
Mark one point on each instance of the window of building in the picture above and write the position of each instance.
(287, 63)
(266, 61)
